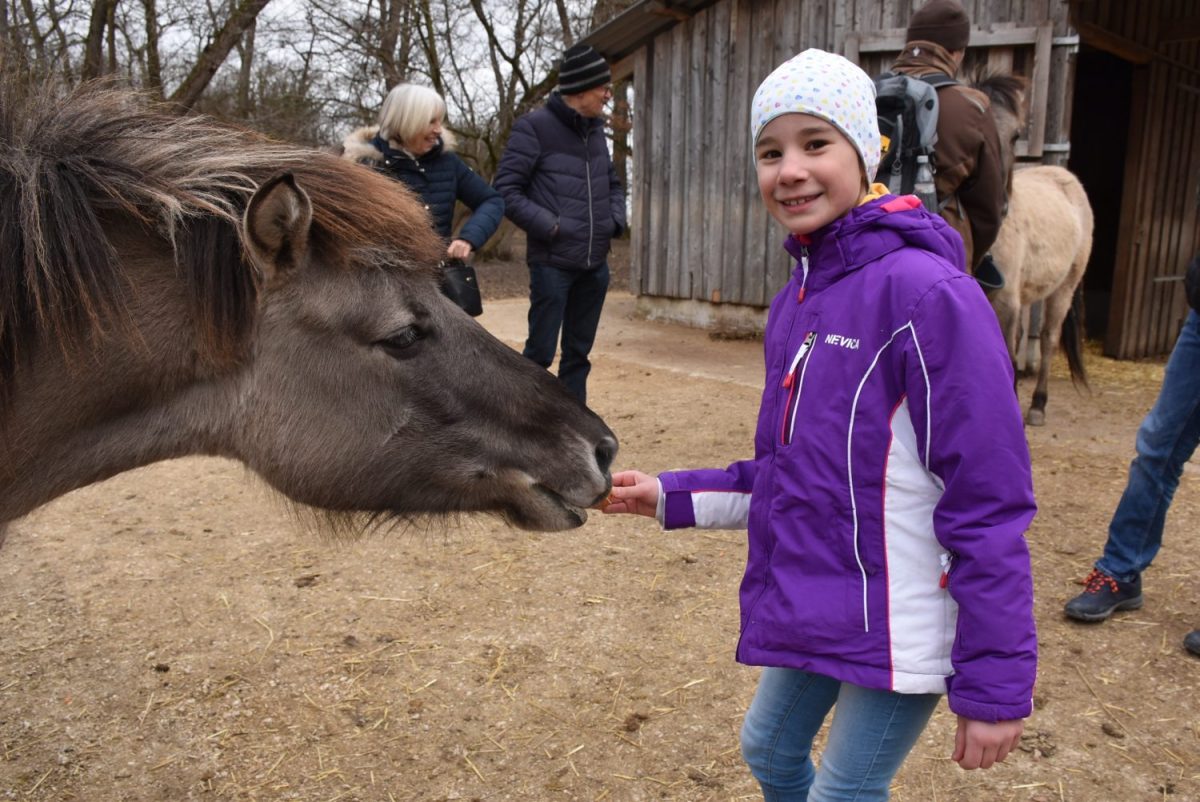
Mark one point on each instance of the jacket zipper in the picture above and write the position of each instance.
(803, 275)
(587, 162)
(789, 379)
(793, 385)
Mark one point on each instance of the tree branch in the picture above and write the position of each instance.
(215, 53)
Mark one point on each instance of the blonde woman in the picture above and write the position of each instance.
(412, 145)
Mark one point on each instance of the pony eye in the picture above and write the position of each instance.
(399, 344)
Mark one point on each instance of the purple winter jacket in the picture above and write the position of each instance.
(891, 486)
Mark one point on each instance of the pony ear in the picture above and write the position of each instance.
(276, 225)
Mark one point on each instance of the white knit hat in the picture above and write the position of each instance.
(824, 85)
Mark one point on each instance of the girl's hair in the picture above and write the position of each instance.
(407, 111)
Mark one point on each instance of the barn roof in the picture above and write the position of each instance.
(625, 33)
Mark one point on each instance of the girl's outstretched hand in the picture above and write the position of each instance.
(981, 744)
(633, 492)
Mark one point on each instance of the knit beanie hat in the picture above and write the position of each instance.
(582, 68)
(943, 22)
(824, 85)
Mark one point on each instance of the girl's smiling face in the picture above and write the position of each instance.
(808, 172)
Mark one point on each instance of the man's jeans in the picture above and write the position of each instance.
(1165, 441)
(570, 301)
(871, 734)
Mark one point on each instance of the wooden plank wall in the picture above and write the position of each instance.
(707, 236)
(1160, 207)
(704, 234)
(1009, 36)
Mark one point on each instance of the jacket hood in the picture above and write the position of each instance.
(923, 57)
(360, 145)
(871, 231)
(357, 147)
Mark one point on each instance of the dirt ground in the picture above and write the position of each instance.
(175, 633)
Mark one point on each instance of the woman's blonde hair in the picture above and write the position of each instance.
(407, 110)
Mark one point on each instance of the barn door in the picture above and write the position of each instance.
(1023, 51)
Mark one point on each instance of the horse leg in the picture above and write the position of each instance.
(1054, 311)
(1031, 321)
(1021, 364)
(1008, 312)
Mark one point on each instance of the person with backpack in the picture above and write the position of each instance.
(890, 488)
(969, 173)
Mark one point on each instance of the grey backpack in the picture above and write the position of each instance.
(908, 113)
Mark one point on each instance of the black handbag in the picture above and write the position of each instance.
(461, 285)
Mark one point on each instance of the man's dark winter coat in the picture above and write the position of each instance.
(559, 185)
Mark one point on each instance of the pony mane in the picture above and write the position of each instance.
(75, 166)
(1002, 88)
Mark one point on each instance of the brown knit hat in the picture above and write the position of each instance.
(943, 22)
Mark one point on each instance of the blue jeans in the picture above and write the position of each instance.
(871, 734)
(569, 301)
(1165, 441)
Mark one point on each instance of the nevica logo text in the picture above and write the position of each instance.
(845, 342)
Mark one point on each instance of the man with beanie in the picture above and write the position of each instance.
(559, 186)
(970, 179)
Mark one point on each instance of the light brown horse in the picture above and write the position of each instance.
(173, 286)
(1042, 250)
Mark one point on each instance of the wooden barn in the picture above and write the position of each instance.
(1114, 96)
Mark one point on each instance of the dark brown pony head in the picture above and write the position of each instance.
(1007, 95)
(171, 285)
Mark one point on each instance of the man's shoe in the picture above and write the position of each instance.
(1192, 642)
(1102, 596)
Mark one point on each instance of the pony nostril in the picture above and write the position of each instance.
(606, 451)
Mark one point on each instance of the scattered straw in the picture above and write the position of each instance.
(270, 640)
(474, 768)
(146, 711)
(274, 765)
(1106, 707)
(683, 687)
(41, 780)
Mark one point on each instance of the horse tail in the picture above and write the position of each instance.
(1072, 339)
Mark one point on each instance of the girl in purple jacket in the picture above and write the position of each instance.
(890, 488)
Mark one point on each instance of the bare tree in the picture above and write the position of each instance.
(322, 66)
(395, 39)
(214, 54)
(564, 19)
(93, 51)
(245, 49)
(153, 58)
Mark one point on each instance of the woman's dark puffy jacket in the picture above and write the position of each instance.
(559, 185)
(439, 178)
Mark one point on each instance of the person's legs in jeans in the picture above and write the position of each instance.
(581, 319)
(871, 734)
(870, 737)
(548, 290)
(777, 733)
(1165, 441)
